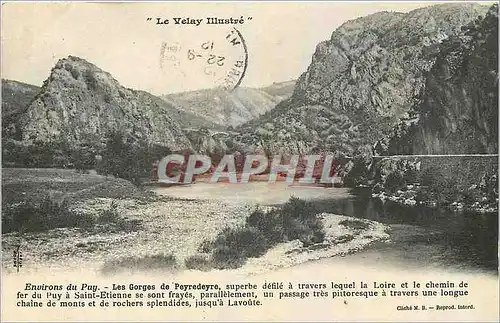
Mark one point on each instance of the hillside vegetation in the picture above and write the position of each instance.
(231, 108)
(361, 81)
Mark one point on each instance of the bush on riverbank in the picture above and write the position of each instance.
(233, 245)
(444, 185)
(51, 213)
(446, 191)
(48, 214)
(127, 157)
(296, 219)
(198, 262)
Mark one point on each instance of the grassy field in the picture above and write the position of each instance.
(37, 200)
(34, 184)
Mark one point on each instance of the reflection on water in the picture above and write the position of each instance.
(425, 235)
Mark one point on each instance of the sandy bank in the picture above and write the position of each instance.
(175, 227)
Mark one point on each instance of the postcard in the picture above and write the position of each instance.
(249, 161)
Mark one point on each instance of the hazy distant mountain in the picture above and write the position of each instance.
(280, 90)
(79, 102)
(458, 110)
(231, 108)
(16, 96)
(361, 81)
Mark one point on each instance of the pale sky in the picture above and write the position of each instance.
(281, 38)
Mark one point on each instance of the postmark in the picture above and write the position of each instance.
(216, 61)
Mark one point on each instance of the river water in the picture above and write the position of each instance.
(426, 245)
(422, 236)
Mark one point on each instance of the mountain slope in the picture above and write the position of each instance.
(280, 90)
(458, 111)
(80, 103)
(365, 78)
(16, 96)
(185, 119)
(230, 108)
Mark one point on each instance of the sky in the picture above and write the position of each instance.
(119, 38)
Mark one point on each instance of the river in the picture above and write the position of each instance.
(423, 236)
(420, 236)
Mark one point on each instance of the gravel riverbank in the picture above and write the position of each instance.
(172, 226)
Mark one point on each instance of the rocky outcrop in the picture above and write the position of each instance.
(457, 182)
(458, 111)
(231, 108)
(80, 103)
(369, 72)
(300, 130)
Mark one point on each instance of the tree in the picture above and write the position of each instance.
(128, 157)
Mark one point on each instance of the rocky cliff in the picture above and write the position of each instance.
(81, 103)
(362, 80)
(457, 112)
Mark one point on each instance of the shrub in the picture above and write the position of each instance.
(489, 186)
(439, 188)
(296, 219)
(245, 241)
(411, 175)
(223, 257)
(307, 231)
(270, 224)
(83, 157)
(357, 175)
(299, 221)
(423, 196)
(206, 246)
(360, 171)
(198, 262)
(298, 209)
(233, 246)
(471, 195)
(432, 176)
(394, 181)
(48, 214)
(112, 221)
(129, 158)
(29, 216)
(57, 153)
